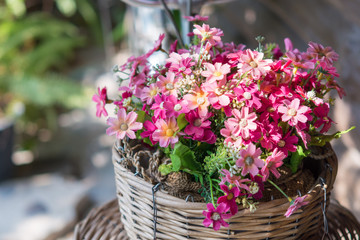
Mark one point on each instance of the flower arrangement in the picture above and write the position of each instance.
(226, 114)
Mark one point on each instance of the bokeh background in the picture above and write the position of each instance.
(55, 160)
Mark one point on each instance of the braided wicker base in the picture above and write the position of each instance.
(104, 223)
(177, 219)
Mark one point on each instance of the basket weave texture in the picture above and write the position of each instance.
(104, 223)
(179, 219)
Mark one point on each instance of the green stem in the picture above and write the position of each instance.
(282, 192)
(211, 191)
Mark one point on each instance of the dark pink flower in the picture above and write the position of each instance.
(216, 216)
(321, 112)
(287, 143)
(197, 124)
(248, 94)
(229, 198)
(256, 187)
(321, 53)
(150, 127)
(295, 205)
(100, 99)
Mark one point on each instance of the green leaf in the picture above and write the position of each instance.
(181, 121)
(141, 116)
(183, 158)
(165, 169)
(321, 140)
(297, 157)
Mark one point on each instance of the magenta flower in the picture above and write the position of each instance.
(249, 94)
(243, 123)
(250, 160)
(197, 124)
(272, 163)
(150, 127)
(158, 106)
(100, 100)
(166, 132)
(256, 188)
(123, 125)
(215, 72)
(293, 112)
(321, 112)
(215, 216)
(321, 53)
(295, 205)
(287, 143)
(229, 198)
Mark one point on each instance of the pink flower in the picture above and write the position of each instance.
(206, 33)
(157, 46)
(226, 132)
(229, 198)
(100, 99)
(243, 123)
(150, 127)
(148, 93)
(216, 216)
(252, 62)
(249, 94)
(295, 205)
(197, 124)
(158, 106)
(123, 125)
(198, 100)
(167, 84)
(166, 132)
(326, 54)
(321, 112)
(180, 63)
(234, 179)
(293, 112)
(125, 101)
(287, 143)
(272, 163)
(196, 18)
(215, 72)
(218, 96)
(250, 160)
(256, 188)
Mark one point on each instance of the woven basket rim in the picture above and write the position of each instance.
(166, 199)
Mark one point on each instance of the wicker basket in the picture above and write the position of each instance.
(142, 210)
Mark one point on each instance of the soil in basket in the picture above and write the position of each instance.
(290, 183)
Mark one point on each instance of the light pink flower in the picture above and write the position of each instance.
(243, 123)
(272, 163)
(215, 72)
(123, 125)
(148, 93)
(100, 100)
(234, 179)
(218, 97)
(252, 62)
(198, 100)
(293, 112)
(295, 205)
(250, 160)
(166, 132)
(167, 84)
(180, 63)
(206, 33)
(216, 216)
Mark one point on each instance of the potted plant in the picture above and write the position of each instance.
(220, 128)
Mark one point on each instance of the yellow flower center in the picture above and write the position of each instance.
(253, 64)
(124, 127)
(230, 196)
(153, 92)
(169, 86)
(169, 132)
(200, 101)
(243, 123)
(281, 143)
(270, 109)
(217, 74)
(291, 112)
